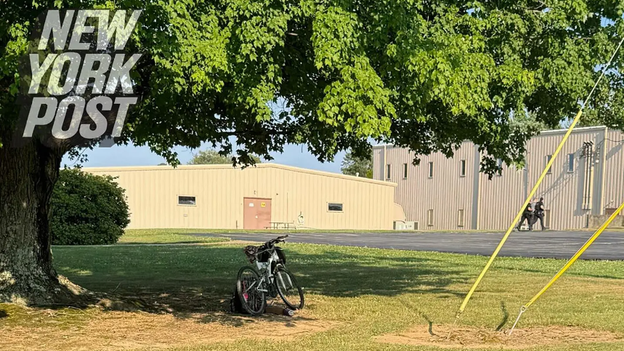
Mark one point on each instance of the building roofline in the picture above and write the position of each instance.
(542, 133)
(228, 166)
(575, 130)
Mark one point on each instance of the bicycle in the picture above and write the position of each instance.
(270, 278)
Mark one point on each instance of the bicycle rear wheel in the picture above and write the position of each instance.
(288, 288)
(247, 286)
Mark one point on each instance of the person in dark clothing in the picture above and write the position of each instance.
(539, 212)
(528, 216)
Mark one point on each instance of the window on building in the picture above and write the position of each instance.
(405, 171)
(186, 200)
(333, 207)
(430, 169)
(610, 211)
(548, 158)
(460, 218)
(430, 217)
(462, 168)
(387, 171)
(570, 163)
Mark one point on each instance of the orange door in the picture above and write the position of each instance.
(256, 213)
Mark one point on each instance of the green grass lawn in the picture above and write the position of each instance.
(178, 236)
(165, 236)
(364, 292)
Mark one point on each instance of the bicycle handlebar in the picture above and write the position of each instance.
(277, 240)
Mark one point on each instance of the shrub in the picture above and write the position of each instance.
(87, 209)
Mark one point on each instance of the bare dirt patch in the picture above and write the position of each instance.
(136, 330)
(469, 337)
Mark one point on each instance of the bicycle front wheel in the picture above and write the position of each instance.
(248, 288)
(288, 288)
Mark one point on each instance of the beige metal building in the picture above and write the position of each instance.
(265, 196)
(586, 179)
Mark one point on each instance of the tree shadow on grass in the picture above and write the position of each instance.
(3, 314)
(197, 282)
(334, 273)
(578, 274)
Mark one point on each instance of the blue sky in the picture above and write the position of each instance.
(293, 155)
(119, 156)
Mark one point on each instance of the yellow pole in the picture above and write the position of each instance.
(577, 255)
(570, 262)
(519, 215)
(541, 178)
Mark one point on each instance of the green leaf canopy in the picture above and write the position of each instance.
(420, 74)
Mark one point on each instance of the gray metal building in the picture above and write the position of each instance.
(586, 179)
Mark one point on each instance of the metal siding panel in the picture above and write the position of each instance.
(347, 216)
(614, 170)
(319, 209)
(297, 195)
(209, 188)
(347, 193)
(204, 215)
(192, 211)
(147, 192)
(337, 218)
(175, 208)
(152, 197)
(417, 194)
(290, 210)
(499, 199)
(327, 219)
(282, 197)
(157, 194)
(241, 184)
(599, 164)
(168, 198)
(563, 191)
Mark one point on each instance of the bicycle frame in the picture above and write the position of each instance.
(268, 282)
(265, 268)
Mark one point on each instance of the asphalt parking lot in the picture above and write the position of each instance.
(547, 244)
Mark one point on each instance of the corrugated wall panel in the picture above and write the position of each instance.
(614, 170)
(153, 196)
(500, 198)
(445, 193)
(494, 203)
(563, 191)
(378, 163)
(599, 173)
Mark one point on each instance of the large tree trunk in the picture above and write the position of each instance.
(27, 177)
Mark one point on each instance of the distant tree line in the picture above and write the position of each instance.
(214, 157)
(357, 165)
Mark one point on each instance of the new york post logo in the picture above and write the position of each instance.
(80, 88)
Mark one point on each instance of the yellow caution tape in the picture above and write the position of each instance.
(569, 264)
(577, 255)
(519, 215)
(539, 181)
